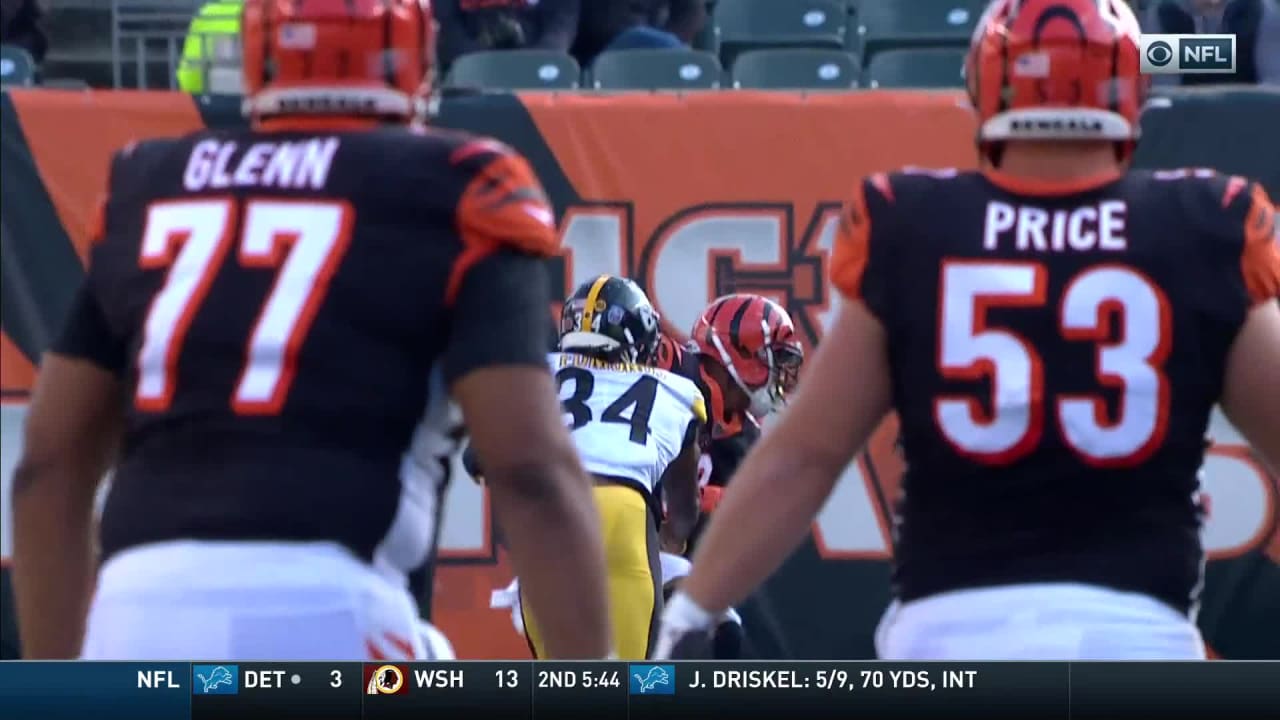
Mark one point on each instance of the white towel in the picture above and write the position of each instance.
(508, 598)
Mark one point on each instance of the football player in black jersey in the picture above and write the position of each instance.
(745, 354)
(264, 350)
(743, 351)
(1053, 346)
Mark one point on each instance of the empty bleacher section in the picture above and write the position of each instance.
(750, 44)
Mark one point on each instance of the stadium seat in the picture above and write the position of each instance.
(797, 69)
(656, 70)
(17, 67)
(933, 68)
(515, 70)
(884, 24)
(760, 24)
(708, 38)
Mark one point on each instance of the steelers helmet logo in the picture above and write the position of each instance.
(386, 680)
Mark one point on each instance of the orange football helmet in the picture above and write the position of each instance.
(755, 340)
(1056, 70)
(370, 58)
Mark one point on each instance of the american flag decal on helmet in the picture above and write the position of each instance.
(297, 36)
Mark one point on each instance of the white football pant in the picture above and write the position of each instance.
(1043, 621)
(247, 601)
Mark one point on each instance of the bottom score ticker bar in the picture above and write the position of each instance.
(522, 690)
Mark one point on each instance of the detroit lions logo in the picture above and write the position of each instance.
(217, 677)
(656, 676)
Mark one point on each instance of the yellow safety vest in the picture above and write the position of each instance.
(214, 32)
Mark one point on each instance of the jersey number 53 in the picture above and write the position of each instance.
(970, 348)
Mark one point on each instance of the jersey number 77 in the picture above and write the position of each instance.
(306, 240)
(969, 348)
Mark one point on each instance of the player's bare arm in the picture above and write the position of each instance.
(787, 477)
(73, 424)
(680, 490)
(542, 499)
(1249, 394)
(540, 494)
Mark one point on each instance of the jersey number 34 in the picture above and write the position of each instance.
(305, 240)
(639, 398)
(970, 348)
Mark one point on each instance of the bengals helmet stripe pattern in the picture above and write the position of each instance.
(1056, 69)
(755, 341)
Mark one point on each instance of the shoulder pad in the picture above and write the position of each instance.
(871, 196)
(689, 391)
(668, 354)
(1210, 201)
(1236, 215)
(1260, 256)
(502, 203)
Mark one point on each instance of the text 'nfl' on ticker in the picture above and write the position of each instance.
(525, 690)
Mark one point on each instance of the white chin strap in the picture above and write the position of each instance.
(337, 100)
(1058, 124)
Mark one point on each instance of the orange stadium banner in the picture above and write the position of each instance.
(694, 196)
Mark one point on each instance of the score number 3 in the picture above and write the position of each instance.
(305, 239)
(968, 349)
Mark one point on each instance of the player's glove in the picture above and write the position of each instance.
(685, 632)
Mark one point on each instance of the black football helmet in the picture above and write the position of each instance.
(611, 318)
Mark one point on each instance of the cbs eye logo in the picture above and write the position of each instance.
(1159, 53)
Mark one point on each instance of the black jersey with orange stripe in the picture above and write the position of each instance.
(684, 360)
(727, 437)
(288, 309)
(1056, 353)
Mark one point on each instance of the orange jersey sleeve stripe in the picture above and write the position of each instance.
(502, 206)
(852, 248)
(1260, 258)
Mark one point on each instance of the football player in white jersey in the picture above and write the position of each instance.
(636, 428)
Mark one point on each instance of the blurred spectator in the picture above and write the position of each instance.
(472, 25)
(1246, 19)
(211, 53)
(1186, 17)
(21, 24)
(632, 24)
(1268, 44)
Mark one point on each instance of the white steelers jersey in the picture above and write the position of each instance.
(628, 421)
